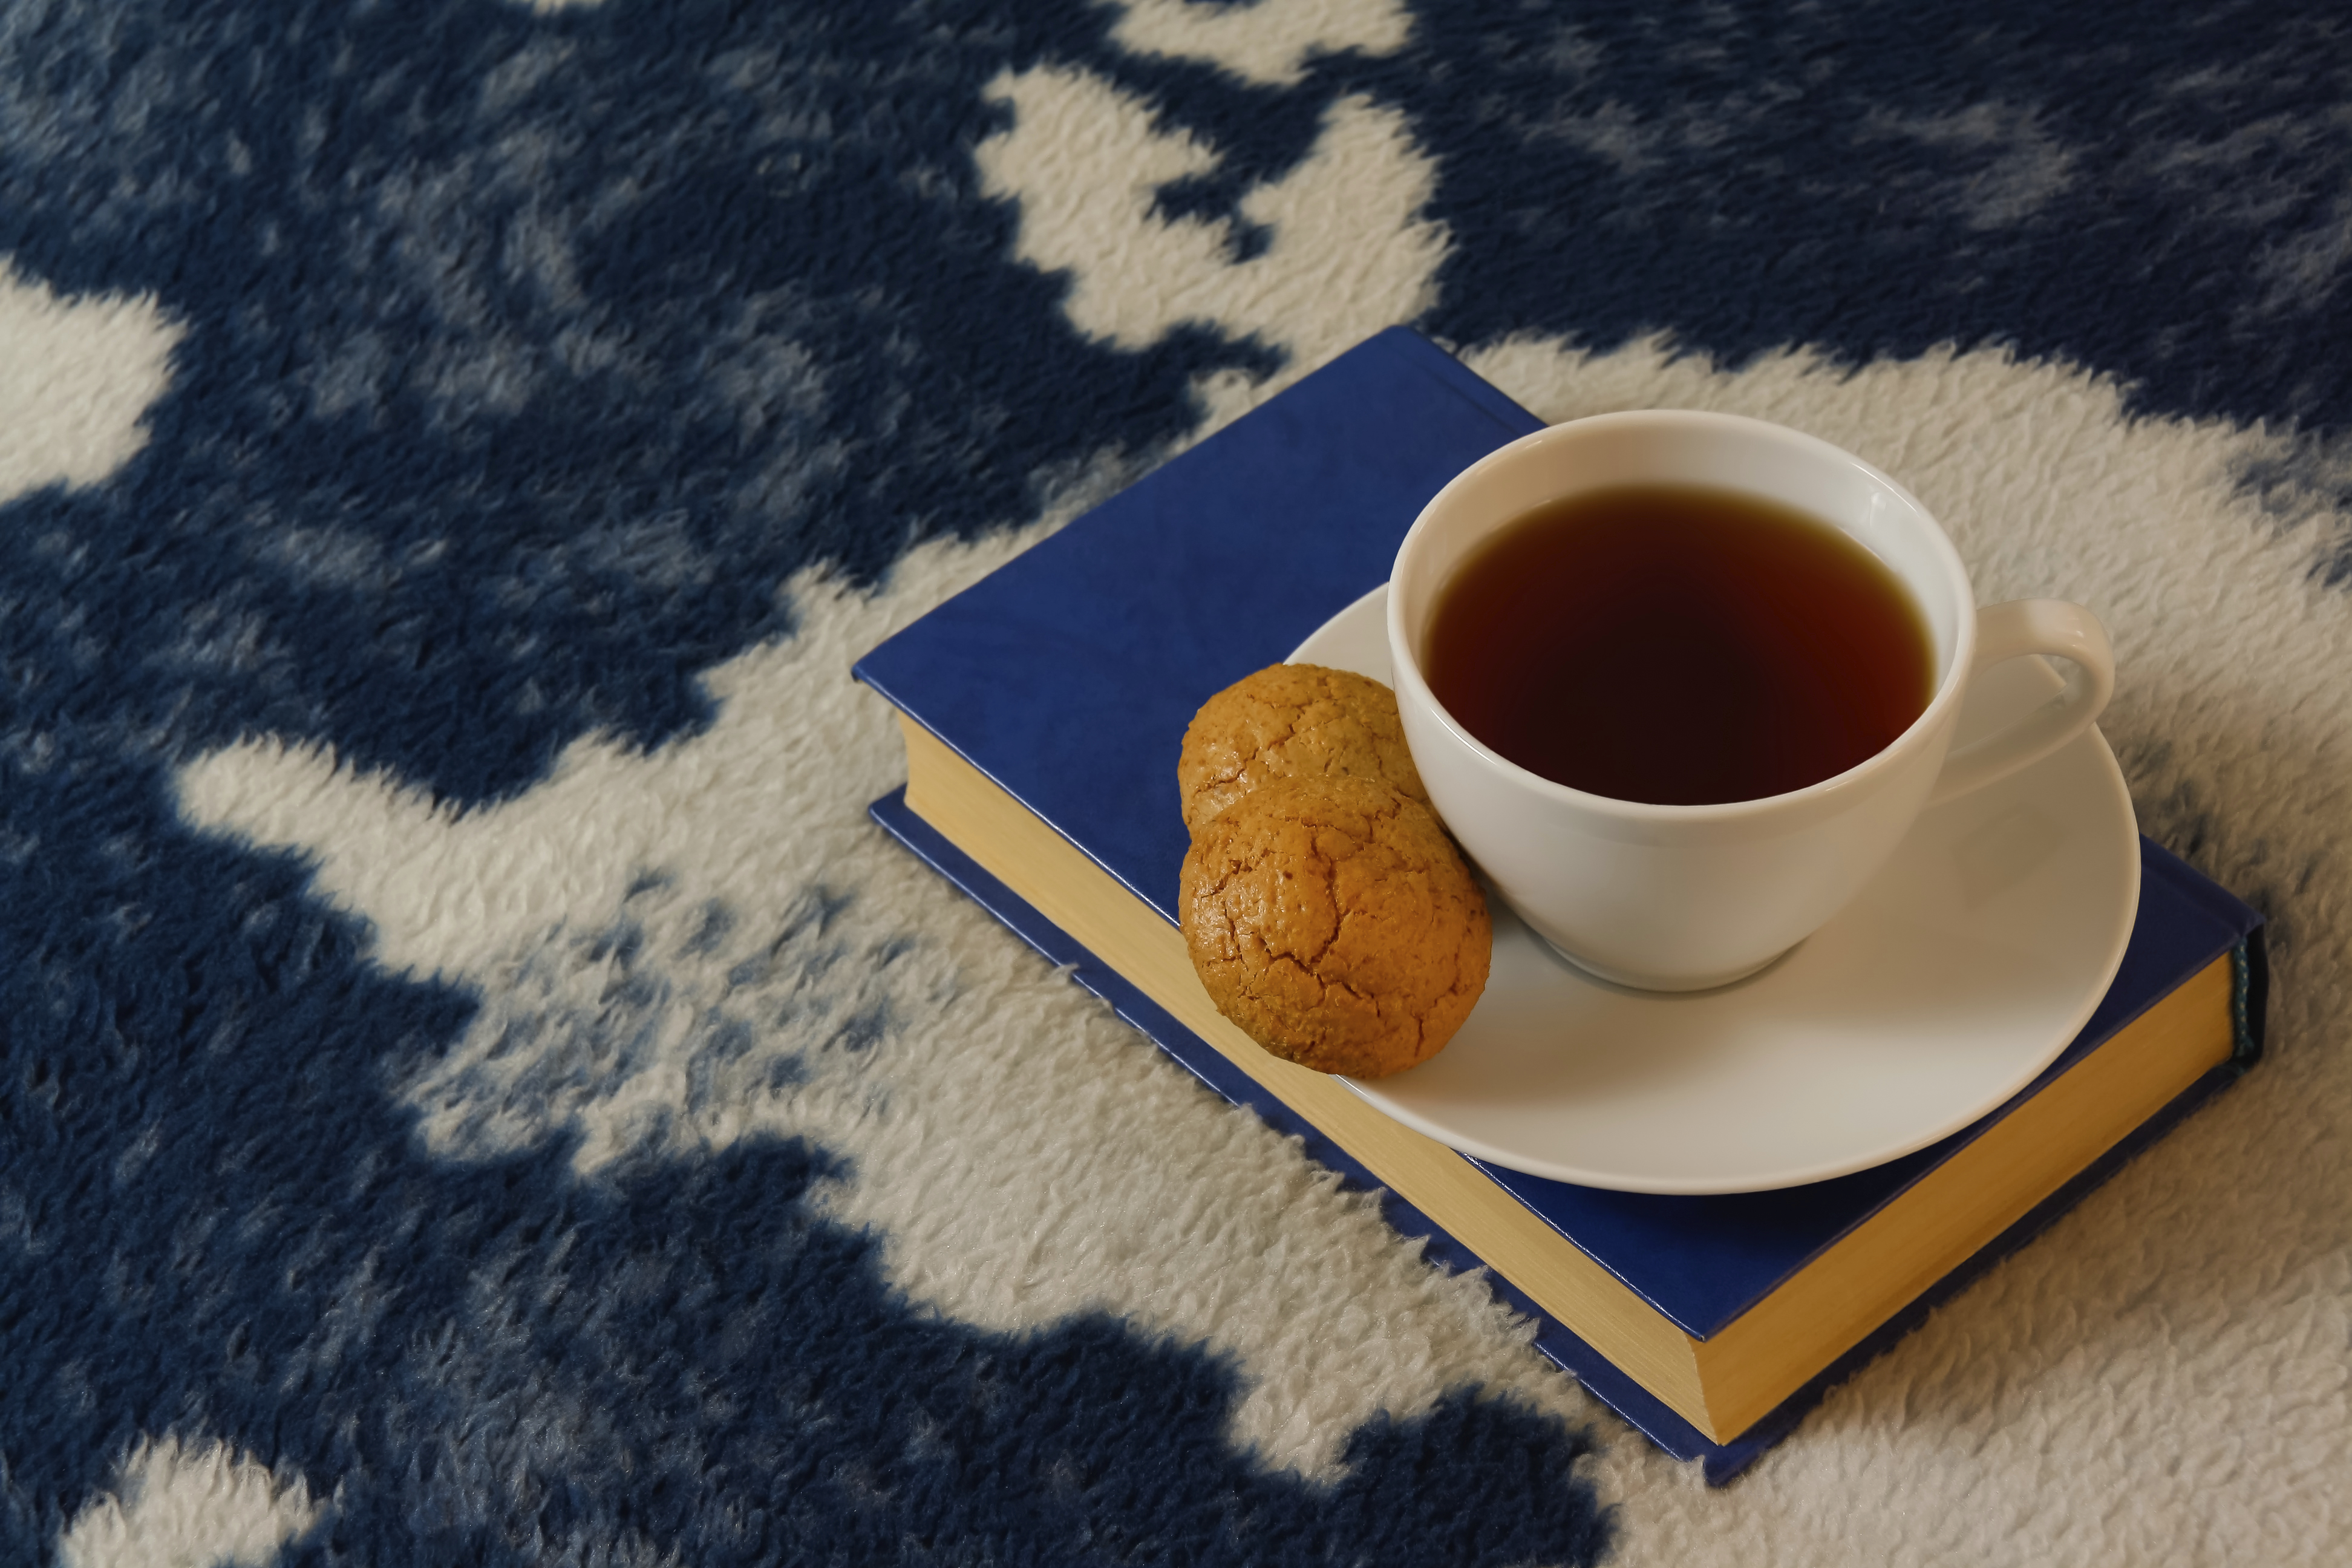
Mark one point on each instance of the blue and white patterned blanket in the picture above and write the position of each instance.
(478, 1089)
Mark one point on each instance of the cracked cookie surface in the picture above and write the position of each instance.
(1291, 720)
(1335, 923)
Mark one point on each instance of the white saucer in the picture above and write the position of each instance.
(1952, 979)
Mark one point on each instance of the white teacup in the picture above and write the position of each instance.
(1680, 898)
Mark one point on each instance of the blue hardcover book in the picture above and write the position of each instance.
(1043, 710)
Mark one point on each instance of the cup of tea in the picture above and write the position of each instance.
(1680, 683)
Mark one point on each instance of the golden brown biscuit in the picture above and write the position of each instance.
(1291, 720)
(1335, 923)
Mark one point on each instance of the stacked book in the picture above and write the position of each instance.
(1043, 710)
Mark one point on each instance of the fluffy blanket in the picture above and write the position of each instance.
(477, 1089)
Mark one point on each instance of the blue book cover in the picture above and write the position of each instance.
(1068, 677)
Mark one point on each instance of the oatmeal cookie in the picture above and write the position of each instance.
(1334, 921)
(1291, 720)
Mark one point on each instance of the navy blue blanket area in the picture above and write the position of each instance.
(455, 1013)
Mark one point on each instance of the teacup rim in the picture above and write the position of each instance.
(1405, 666)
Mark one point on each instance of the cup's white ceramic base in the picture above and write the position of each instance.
(1951, 980)
(1670, 986)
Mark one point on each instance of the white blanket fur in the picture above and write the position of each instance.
(2160, 1378)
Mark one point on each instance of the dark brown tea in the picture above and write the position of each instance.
(1679, 645)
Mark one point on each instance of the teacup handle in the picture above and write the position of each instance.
(2021, 627)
